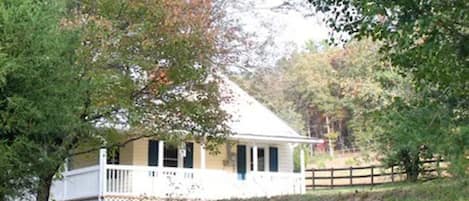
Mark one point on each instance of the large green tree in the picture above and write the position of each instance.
(79, 75)
(409, 131)
(38, 103)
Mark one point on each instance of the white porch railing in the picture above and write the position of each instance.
(77, 184)
(138, 181)
(127, 182)
(123, 181)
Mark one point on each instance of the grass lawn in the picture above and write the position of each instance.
(436, 190)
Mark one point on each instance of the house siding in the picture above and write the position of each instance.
(219, 161)
(126, 154)
(285, 158)
(83, 160)
(136, 153)
(140, 152)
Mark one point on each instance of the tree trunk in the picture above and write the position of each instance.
(43, 190)
(308, 130)
(412, 173)
(45, 182)
(412, 167)
(331, 144)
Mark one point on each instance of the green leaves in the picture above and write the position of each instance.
(37, 100)
(92, 73)
(343, 85)
(423, 39)
(144, 59)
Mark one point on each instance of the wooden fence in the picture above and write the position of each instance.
(367, 175)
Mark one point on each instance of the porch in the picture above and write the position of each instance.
(132, 182)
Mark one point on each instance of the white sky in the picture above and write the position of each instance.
(286, 30)
(297, 28)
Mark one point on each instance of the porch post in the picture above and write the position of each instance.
(160, 153)
(254, 158)
(181, 150)
(202, 156)
(266, 159)
(102, 172)
(302, 170)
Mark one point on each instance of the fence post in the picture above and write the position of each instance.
(438, 170)
(350, 173)
(372, 175)
(392, 173)
(312, 178)
(332, 178)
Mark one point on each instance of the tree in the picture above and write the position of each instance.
(427, 38)
(408, 133)
(327, 91)
(424, 39)
(100, 74)
(37, 98)
(338, 87)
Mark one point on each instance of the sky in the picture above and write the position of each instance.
(296, 27)
(285, 30)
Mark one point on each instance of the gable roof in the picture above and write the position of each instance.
(252, 120)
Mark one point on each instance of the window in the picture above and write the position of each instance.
(170, 156)
(113, 157)
(260, 159)
(189, 158)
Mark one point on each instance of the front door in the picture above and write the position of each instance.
(241, 161)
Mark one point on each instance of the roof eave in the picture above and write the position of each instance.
(284, 139)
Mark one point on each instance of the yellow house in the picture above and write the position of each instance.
(256, 160)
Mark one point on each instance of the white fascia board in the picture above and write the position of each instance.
(261, 138)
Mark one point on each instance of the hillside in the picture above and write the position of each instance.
(437, 190)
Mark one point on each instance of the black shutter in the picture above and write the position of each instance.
(241, 161)
(273, 159)
(189, 159)
(152, 152)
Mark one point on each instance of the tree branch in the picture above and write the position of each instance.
(113, 145)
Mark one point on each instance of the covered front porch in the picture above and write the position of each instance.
(122, 182)
(255, 172)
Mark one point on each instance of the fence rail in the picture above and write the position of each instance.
(367, 175)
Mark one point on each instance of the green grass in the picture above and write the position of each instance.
(436, 190)
(320, 160)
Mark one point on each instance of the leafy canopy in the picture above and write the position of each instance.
(425, 39)
(343, 84)
(38, 100)
(78, 75)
